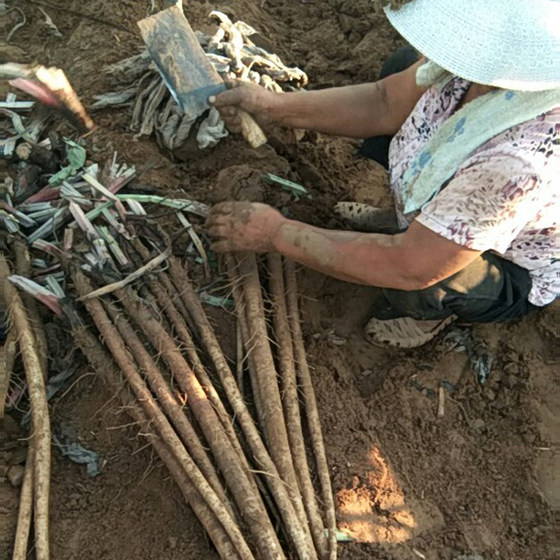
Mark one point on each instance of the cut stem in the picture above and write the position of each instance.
(8, 353)
(238, 480)
(24, 268)
(272, 414)
(164, 300)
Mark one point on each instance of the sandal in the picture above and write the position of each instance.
(363, 217)
(404, 332)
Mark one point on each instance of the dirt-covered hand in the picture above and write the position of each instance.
(253, 99)
(243, 226)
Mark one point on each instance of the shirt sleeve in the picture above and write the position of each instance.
(486, 204)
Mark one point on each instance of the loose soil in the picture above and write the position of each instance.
(478, 483)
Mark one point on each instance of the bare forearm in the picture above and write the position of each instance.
(353, 111)
(413, 260)
(359, 111)
(369, 259)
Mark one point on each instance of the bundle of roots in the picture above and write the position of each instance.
(234, 445)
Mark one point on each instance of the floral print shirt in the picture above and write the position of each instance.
(504, 198)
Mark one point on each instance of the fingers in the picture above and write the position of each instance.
(229, 111)
(234, 207)
(223, 208)
(212, 223)
(230, 115)
(234, 83)
(240, 96)
(217, 233)
(226, 215)
(219, 219)
(216, 228)
(227, 98)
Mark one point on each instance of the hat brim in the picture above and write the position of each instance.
(511, 44)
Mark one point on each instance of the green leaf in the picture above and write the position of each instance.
(341, 537)
(76, 156)
(289, 186)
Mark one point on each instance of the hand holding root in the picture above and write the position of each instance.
(244, 226)
(244, 96)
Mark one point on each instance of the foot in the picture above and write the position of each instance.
(404, 332)
(363, 217)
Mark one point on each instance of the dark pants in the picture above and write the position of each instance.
(491, 289)
(377, 148)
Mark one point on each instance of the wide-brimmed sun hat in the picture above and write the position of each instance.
(512, 44)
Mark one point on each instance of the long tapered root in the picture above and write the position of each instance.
(277, 487)
(101, 361)
(312, 412)
(118, 350)
(34, 375)
(290, 398)
(25, 512)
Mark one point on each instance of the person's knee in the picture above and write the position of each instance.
(489, 290)
(398, 61)
(419, 304)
